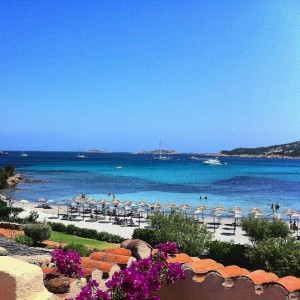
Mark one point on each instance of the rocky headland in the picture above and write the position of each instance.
(287, 151)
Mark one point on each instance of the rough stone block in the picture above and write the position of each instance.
(21, 281)
(3, 251)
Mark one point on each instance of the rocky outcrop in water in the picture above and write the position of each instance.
(14, 180)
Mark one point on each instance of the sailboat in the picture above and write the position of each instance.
(161, 157)
(23, 154)
(80, 155)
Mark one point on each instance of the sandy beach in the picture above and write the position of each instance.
(223, 232)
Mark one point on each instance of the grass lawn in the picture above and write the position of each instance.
(61, 237)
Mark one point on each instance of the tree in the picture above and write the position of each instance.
(9, 170)
(191, 238)
(260, 229)
(38, 232)
(280, 256)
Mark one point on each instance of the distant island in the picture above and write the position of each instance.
(159, 151)
(97, 151)
(291, 150)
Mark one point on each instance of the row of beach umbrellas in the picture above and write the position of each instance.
(217, 211)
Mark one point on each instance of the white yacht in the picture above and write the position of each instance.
(23, 154)
(212, 161)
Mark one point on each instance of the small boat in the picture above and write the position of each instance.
(195, 158)
(23, 154)
(80, 156)
(119, 167)
(4, 153)
(212, 161)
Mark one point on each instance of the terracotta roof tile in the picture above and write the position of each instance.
(87, 271)
(47, 270)
(260, 276)
(204, 266)
(232, 271)
(110, 258)
(87, 262)
(119, 251)
(181, 258)
(291, 283)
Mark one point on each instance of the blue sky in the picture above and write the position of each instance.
(119, 75)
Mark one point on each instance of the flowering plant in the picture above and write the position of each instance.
(67, 263)
(140, 280)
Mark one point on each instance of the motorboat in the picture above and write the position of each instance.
(119, 167)
(4, 153)
(212, 161)
(23, 154)
(81, 156)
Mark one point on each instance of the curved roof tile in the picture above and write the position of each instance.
(291, 283)
(261, 276)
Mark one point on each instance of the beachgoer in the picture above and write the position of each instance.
(295, 225)
(200, 197)
(272, 207)
(205, 197)
(277, 206)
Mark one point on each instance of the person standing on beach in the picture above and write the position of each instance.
(272, 207)
(277, 206)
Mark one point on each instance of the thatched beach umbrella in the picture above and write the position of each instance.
(157, 205)
(274, 216)
(24, 201)
(202, 208)
(171, 205)
(127, 202)
(41, 200)
(116, 202)
(103, 201)
(236, 209)
(255, 210)
(143, 203)
(219, 208)
(289, 212)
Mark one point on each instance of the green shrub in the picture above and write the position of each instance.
(9, 213)
(228, 253)
(9, 170)
(260, 229)
(72, 229)
(81, 249)
(147, 235)
(38, 232)
(280, 256)
(87, 233)
(191, 238)
(25, 240)
(59, 227)
(33, 216)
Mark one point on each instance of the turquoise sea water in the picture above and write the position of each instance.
(239, 181)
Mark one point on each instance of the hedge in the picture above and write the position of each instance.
(86, 233)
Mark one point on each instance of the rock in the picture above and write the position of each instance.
(3, 251)
(58, 285)
(14, 180)
(21, 281)
(139, 248)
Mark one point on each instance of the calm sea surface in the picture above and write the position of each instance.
(239, 181)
